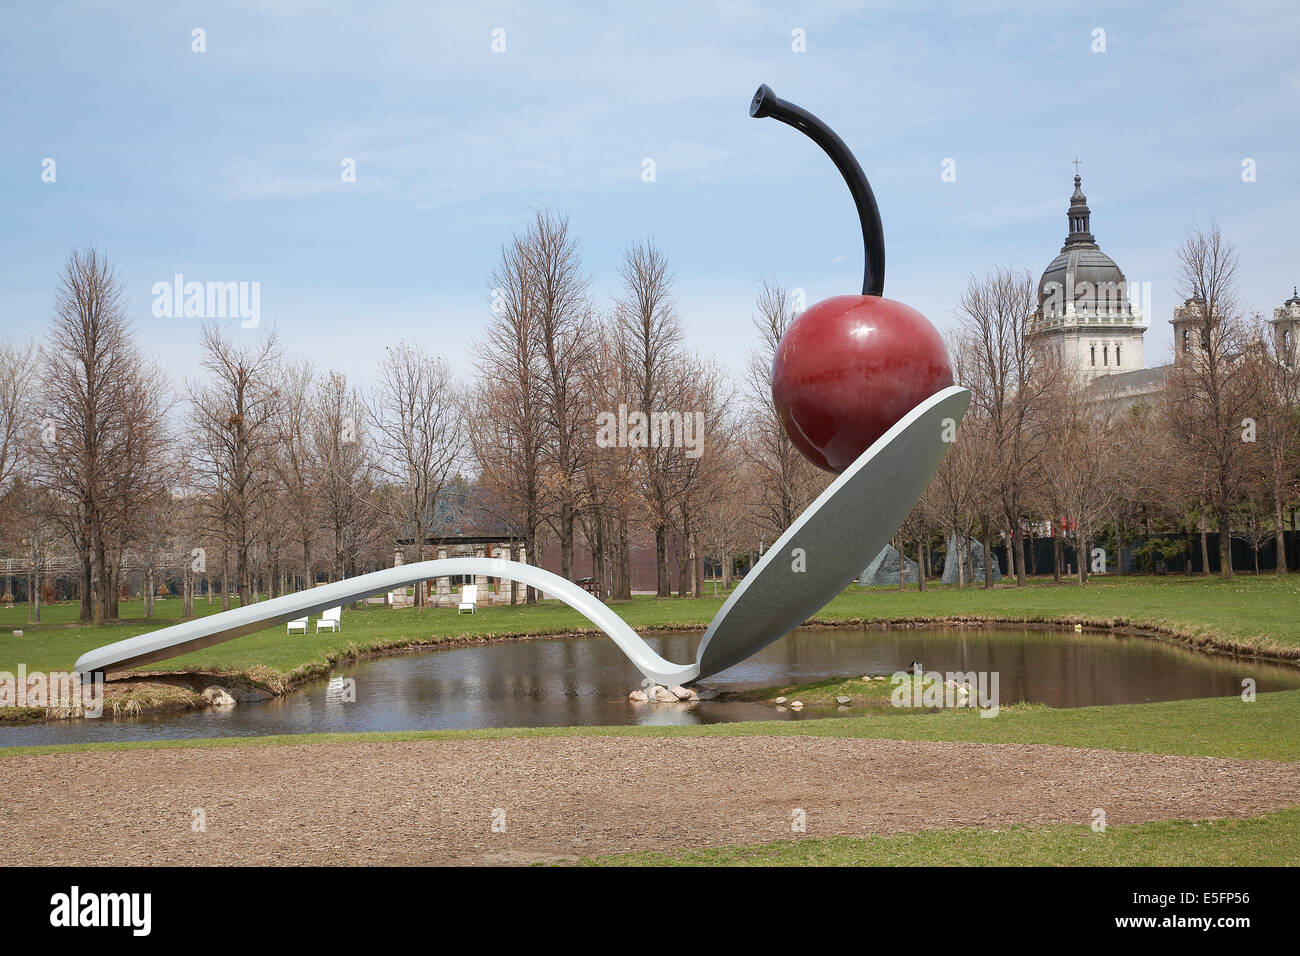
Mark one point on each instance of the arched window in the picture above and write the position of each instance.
(1116, 354)
(1105, 355)
(1186, 339)
(1094, 355)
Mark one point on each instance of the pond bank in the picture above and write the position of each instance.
(167, 692)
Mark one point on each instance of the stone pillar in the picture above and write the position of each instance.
(399, 558)
(481, 580)
(506, 592)
(523, 590)
(444, 584)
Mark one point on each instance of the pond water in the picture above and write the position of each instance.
(585, 681)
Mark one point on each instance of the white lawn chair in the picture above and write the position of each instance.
(299, 623)
(331, 620)
(468, 598)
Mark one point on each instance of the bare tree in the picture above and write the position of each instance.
(1208, 394)
(1008, 375)
(17, 374)
(650, 333)
(102, 434)
(566, 344)
(1272, 366)
(236, 415)
(416, 413)
(339, 436)
(507, 423)
(784, 482)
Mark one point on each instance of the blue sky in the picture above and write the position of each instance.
(225, 165)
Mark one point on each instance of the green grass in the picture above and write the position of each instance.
(1251, 615)
(1269, 840)
(1266, 729)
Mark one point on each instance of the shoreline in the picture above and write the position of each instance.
(159, 693)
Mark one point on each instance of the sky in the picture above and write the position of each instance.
(226, 165)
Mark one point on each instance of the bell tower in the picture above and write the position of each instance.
(1286, 328)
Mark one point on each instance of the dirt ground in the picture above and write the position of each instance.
(434, 802)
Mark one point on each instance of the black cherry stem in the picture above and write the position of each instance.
(767, 103)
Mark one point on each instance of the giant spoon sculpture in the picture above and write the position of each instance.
(864, 389)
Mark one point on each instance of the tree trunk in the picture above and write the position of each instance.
(530, 543)
(87, 612)
(1225, 546)
(920, 561)
(566, 541)
(661, 562)
(1279, 525)
(697, 566)
(624, 562)
(1205, 548)
(988, 552)
(1058, 556)
(225, 578)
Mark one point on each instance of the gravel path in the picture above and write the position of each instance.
(563, 797)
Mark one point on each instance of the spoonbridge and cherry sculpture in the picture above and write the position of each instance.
(864, 389)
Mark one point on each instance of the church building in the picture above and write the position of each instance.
(1085, 316)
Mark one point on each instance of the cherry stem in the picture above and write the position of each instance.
(767, 103)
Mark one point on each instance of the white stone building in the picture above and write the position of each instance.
(1084, 311)
(1084, 314)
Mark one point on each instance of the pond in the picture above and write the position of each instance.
(585, 681)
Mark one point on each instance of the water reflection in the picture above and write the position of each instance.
(585, 681)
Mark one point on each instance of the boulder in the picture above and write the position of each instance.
(218, 696)
(663, 695)
(638, 696)
(949, 575)
(843, 701)
(780, 700)
(707, 693)
(883, 569)
(796, 704)
(684, 693)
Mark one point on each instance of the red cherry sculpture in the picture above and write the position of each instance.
(850, 367)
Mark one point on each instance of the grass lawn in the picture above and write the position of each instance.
(1252, 615)
(1269, 840)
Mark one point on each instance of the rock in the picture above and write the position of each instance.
(780, 700)
(976, 559)
(663, 695)
(707, 693)
(684, 693)
(217, 696)
(250, 695)
(796, 704)
(868, 678)
(882, 677)
(638, 696)
(843, 701)
(883, 569)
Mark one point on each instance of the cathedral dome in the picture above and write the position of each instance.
(1089, 265)
(1081, 273)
